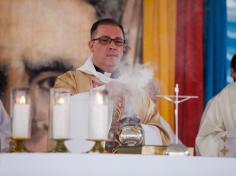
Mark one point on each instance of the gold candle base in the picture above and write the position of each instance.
(60, 146)
(97, 148)
(19, 146)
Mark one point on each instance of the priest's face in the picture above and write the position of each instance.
(107, 53)
(38, 41)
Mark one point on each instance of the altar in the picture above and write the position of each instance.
(39, 164)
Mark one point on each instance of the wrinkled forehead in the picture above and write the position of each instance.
(44, 29)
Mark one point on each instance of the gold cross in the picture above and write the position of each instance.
(224, 151)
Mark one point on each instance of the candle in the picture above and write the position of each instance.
(60, 120)
(98, 120)
(21, 119)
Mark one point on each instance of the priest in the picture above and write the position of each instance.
(107, 45)
(217, 133)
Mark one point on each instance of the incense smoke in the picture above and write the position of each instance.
(133, 84)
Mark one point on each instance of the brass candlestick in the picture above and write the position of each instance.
(60, 146)
(98, 147)
(19, 146)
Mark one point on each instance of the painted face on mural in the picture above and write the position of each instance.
(38, 41)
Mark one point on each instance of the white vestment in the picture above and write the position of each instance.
(217, 133)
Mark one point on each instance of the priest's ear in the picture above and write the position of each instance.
(91, 45)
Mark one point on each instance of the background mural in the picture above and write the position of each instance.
(40, 39)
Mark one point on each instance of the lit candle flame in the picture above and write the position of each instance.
(60, 101)
(99, 98)
(22, 100)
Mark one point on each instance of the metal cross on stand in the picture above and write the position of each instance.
(176, 99)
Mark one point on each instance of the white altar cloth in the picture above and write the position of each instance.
(39, 164)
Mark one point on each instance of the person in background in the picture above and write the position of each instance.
(233, 67)
(217, 132)
(5, 128)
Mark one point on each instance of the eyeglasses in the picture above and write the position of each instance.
(105, 40)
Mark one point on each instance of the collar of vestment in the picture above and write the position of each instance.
(101, 71)
(89, 68)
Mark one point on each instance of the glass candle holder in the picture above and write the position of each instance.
(99, 119)
(21, 118)
(59, 117)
